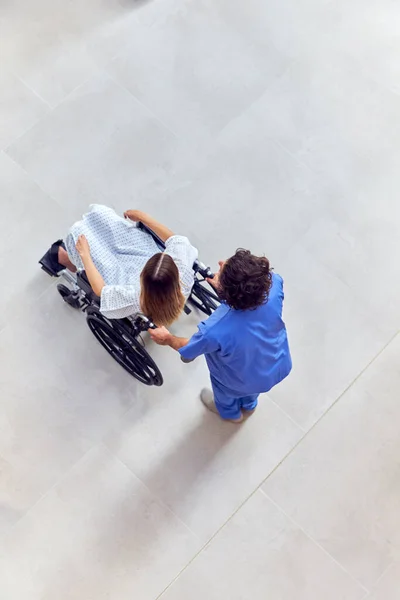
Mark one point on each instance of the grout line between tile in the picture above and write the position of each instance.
(147, 109)
(197, 554)
(159, 500)
(95, 73)
(295, 158)
(259, 487)
(314, 541)
(286, 414)
(33, 91)
(206, 544)
(324, 415)
(21, 135)
(384, 572)
(32, 125)
(381, 577)
(93, 444)
(47, 194)
(255, 100)
(51, 488)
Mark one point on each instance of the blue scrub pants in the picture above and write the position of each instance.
(230, 403)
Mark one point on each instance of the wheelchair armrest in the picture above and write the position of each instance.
(83, 283)
(155, 237)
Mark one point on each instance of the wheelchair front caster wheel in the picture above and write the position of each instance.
(68, 296)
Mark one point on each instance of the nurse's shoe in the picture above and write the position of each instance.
(207, 398)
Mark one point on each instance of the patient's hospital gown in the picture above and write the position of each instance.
(120, 250)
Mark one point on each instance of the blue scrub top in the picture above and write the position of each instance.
(247, 351)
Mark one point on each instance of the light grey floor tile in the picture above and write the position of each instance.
(99, 391)
(20, 108)
(198, 465)
(261, 554)
(373, 50)
(332, 335)
(266, 199)
(341, 484)
(296, 30)
(40, 433)
(318, 111)
(53, 68)
(113, 36)
(286, 27)
(195, 72)
(359, 251)
(99, 534)
(52, 45)
(388, 586)
(30, 222)
(361, 35)
(16, 496)
(60, 393)
(121, 150)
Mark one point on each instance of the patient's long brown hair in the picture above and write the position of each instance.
(161, 298)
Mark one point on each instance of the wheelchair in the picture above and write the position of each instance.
(121, 338)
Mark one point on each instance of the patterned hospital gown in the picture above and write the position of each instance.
(120, 251)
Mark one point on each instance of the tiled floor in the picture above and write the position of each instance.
(273, 125)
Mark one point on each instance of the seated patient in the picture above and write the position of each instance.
(125, 267)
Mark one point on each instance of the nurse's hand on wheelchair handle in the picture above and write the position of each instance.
(214, 280)
(160, 336)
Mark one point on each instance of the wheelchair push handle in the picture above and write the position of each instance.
(150, 325)
(203, 270)
(144, 322)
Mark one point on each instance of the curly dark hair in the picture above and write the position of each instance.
(245, 280)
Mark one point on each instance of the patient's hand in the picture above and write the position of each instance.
(133, 215)
(82, 245)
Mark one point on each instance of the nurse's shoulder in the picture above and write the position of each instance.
(274, 303)
(216, 320)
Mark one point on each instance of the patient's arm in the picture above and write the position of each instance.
(159, 229)
(95, 279)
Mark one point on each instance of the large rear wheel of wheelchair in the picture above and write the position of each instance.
(204, 299)
(124, 348)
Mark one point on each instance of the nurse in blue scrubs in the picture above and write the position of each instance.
(244, 341)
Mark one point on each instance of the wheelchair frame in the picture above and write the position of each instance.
(121, 338)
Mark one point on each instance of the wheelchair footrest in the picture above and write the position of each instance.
(49, 261)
